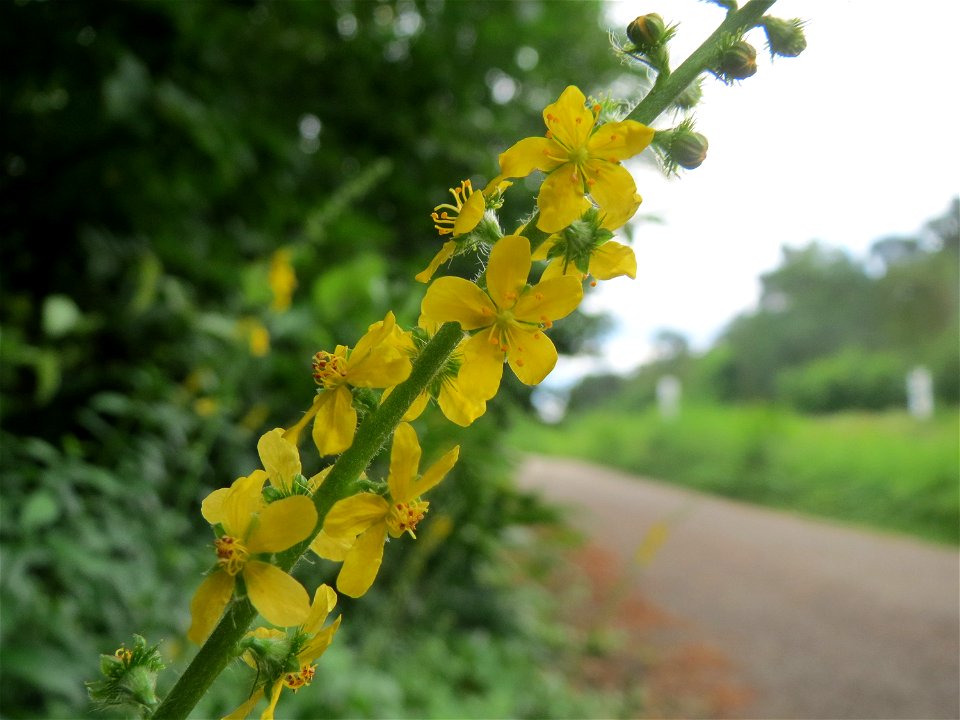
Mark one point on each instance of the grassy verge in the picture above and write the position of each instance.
(884, 470)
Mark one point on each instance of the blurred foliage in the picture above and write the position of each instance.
(156, 157)
(886, 470)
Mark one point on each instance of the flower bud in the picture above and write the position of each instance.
(784, 37)
(688, 149)
(739, 61)
(647, 31)
(688, 99)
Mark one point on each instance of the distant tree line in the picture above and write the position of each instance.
(829, 333)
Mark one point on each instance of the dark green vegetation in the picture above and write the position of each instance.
(156, 155)
(778, 411)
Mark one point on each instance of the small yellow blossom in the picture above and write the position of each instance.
(584, 249)
(379, 360)
(580, 160)
(509, 315)
(313, 640)
(462, 218)
(251, 527)
(282, 279)
(362, 522)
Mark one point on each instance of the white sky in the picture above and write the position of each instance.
(849, 142)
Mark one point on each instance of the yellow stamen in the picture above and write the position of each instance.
(329, 370)
(231, 555)
(403, 517)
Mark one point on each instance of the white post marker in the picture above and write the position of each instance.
(920, 393)
(669, 391)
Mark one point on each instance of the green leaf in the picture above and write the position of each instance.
(60, 315)
(40, 510)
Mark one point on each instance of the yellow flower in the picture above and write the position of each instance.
(467, 211)
(251, 527)
(462, 218)
(313, 640)
(380, 359)
(282, 280)
(585, 249)
(580, 160)
(510, 316)
(360, 524)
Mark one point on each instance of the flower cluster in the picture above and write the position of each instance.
(265, 520)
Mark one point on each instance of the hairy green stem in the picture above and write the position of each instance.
(703, 58)
(371, 436)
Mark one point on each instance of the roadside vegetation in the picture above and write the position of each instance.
(886, 470)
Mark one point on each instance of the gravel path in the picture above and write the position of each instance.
(822, 620)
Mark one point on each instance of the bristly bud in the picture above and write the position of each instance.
(689, 149)
(647, 32)
(784, 37)
(130, 677)
(738, 61)
(681, 147)
(690, 97)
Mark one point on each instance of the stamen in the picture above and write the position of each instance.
(231, 555)
(329, 370)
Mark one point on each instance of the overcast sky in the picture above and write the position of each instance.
(853, 140)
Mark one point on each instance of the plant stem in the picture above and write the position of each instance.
(701, 59)
(371, 436)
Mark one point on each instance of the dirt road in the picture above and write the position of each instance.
(820, 620)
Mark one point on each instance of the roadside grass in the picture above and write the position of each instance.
(885, 470)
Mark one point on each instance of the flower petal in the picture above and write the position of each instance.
(527, 155)
(319, 642)
(404, 463)
(208, 603)
(614, 190)
(568, 118)
(336, 421)
(541, 252)
(242, 502)
(482, 367)
(324, 600)
(508, 269)
(470, 214)
(436, 472)
(549, 300)
(458, 300)
(531, 355)
(212, 506)
(446, 252)
(613, 259)
(620, 140)
(271, 708)
(246, 708)
(362, 563)
(331, 548)
(277, 596)
(293, 432)
(351, 516)
(283, 524)
(561, 199)
(280, 458)
(458, 406)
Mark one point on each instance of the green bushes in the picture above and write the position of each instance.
(850, 380)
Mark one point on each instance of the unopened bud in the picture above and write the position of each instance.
(784, 37)
(739, 61)
(688, 99)
(647, 31)
(688, 149)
